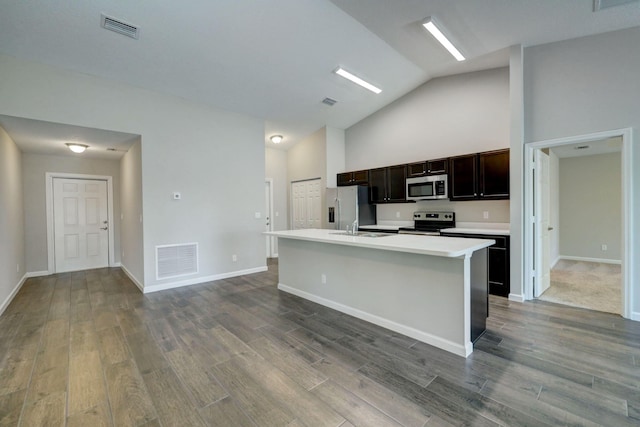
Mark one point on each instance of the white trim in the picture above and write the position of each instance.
(198, 280)
(116, 264)
(516, 297)
(433, 340)
(635, 315)
(133, 278)
(31, 274)
(627, 209)
(12, 295)
(586, 259)
(49, 176)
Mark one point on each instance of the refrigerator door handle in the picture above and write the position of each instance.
(337, 226)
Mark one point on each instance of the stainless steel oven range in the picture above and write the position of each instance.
(430, 223)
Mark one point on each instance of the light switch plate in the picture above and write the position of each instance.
(258, 215)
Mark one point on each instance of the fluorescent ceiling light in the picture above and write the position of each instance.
(435, 32)
(276, 139)
(357, 80)
(77, 148)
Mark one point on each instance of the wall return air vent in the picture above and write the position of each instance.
(119, 26)
(176, 260)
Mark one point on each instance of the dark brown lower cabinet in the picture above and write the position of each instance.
(497, 262)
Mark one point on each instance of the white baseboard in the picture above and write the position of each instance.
(133, 278)
(516, 297)
(12, 295)
(433, 340)
(116, 264)
(635, 315)
(586, 259)
(31, 274)
(198, 280)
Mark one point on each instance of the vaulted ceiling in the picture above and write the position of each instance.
(274, 59)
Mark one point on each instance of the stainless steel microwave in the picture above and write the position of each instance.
(431, 187)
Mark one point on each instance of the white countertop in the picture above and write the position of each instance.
(451, 247)
(486, 228)
(379, 227)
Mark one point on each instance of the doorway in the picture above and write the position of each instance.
(268, 200)
(79, 222)
(537, 215)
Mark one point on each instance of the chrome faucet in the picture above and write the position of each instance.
(354, 227)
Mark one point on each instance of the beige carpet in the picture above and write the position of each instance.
(591, 285)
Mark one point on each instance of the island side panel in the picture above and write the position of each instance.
(479, 294)
(421, 296)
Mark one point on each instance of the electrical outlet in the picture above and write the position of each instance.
(17, 268)
(277, 213)
(485, 214)
(258, 215)
(604, 247)
(122, 254)
(397, 214)
(323, 279)
(234, 257)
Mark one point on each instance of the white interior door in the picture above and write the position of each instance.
(306, 204)
(314, 204)
(542, 223)
(268, 200)
(80, 214)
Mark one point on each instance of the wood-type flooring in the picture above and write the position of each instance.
(88, 349)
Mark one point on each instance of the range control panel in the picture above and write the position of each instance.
(433, 216)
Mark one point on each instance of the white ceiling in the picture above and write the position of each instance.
(274, 59)
(591, 148)
(35, 136)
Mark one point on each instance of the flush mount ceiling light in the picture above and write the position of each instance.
(276, 139)
(430, 26)
(77, 148)
(357, 80)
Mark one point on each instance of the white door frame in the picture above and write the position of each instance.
(270, 239)
(627, 209)
(49, 176)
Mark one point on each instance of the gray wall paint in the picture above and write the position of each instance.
(131, 232)
(590, 206)
(446, 116)
(583, 86)
(34, 169)
(12, 251)
(215, 158)
(276, 169)
(554, 201)
(308, 160)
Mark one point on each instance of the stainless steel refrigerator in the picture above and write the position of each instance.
(345, 204)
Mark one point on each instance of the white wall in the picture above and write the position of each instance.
(446, 116)
(335, 155)
(583, 86)
(465, 211)
(34, 169)
(12, 254)
(276, 169)
(215, 158)
(590, 206)
(131, 233)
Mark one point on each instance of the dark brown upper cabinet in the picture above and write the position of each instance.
(479, 176)
(429, 167)
(387, 185)
(353, 178)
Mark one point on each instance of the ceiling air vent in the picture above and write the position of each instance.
(118, 26)
(330, 102)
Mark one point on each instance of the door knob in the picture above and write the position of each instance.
(549, 228)
(104, 228)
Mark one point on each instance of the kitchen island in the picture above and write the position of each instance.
(430, 288)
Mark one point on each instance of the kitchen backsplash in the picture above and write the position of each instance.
(474, 211)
